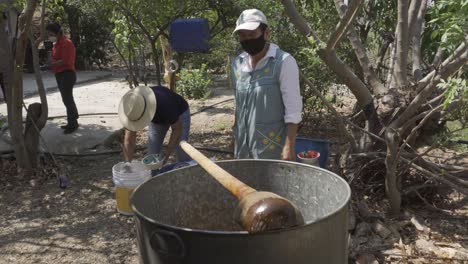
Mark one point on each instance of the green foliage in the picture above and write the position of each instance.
(89, 29)
(194, 83)
(454, 87)
(447, 26)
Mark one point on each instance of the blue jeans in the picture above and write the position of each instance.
(157, 133)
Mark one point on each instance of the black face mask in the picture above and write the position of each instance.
(254, 46)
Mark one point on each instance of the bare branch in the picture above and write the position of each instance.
(341, 120)
(43, 26)
(344, 24)
(357, 87)
(40, 85)
(299, 21)
(445, 70)
(402, 44)
(416, 28)
(361, 52)
(422, 123)
(449, 67)
(365, 131)
(390, 73)
(383, 51)
(438, 57)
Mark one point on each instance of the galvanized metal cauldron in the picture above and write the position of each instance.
(185, 216)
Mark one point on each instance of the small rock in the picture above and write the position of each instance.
(393, 251)
(367, 259)
(381, 229)
(453, 253)
(419, 226)
(33, 183)
(103, 121)
(425, 246)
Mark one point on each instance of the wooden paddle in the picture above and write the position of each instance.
(256, 212)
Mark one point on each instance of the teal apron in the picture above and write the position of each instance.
(260, 130)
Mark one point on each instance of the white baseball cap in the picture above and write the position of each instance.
(250, 19)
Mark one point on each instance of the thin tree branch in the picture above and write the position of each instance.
(365, 131)
(341, 126)
(357, 87)
(390, 74)
(40, 85)
(422, 123)
(299, 21)
(444, 70)
(449, 67)
(361, 52)
(383, 51)
(402, 44)
(43, 26)
(345, 23)
(438, 57)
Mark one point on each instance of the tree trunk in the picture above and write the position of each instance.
(402, 45)
(392, 184)
(6, 64)
(416, 41)
(16, 100)
(361, 53)
(31, 133)
(154, 50)
(167, 57)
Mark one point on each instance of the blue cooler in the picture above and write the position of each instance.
(190, 35)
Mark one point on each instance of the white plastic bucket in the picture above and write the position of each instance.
(127, 176)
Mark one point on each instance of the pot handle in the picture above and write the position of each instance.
(167, 243)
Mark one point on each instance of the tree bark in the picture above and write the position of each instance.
(361, 53)
(31, 132)
(347, 19)
(392, 182)
(402, 45)
(156, 61)
(167, 57)
(416, 37)
(16, 100)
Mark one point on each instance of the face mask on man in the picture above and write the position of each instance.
(53, 39)
(254, 46)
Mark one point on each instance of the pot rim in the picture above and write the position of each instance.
(219, 232)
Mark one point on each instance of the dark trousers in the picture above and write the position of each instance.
(65, 81)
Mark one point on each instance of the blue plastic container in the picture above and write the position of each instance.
(190, 35)
(319, 145)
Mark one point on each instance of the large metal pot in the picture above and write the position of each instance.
(185, 216)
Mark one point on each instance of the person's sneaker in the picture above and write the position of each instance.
(65, 126)
(70, 129)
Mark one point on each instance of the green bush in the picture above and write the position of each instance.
(194, 83)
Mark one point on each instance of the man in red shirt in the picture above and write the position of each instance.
(63, 64)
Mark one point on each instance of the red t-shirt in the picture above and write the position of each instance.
(64, 50)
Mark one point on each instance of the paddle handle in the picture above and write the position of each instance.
(232, 184)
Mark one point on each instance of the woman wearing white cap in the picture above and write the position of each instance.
(268, 100)
(160, 108)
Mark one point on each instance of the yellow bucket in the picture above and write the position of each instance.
(127, 176)
(122, 198)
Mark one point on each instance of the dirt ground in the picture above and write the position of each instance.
(41, 223)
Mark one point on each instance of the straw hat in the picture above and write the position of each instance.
(137, 108)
